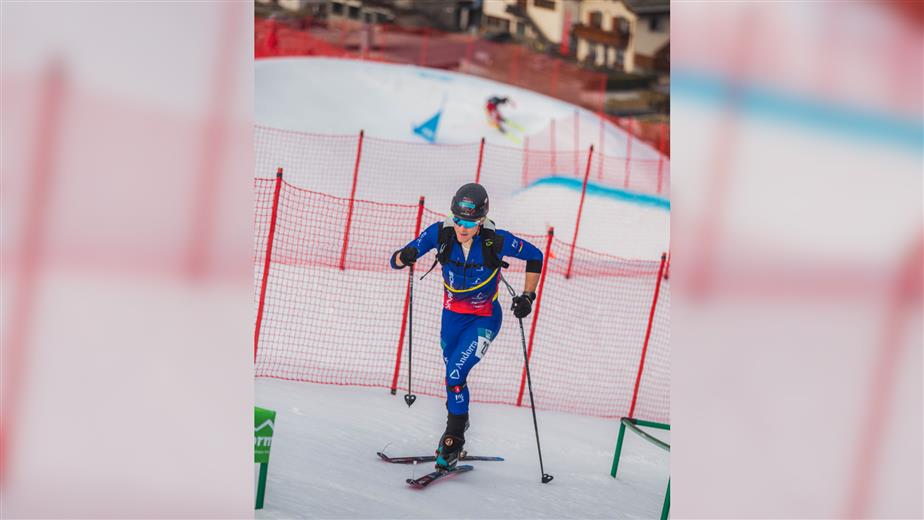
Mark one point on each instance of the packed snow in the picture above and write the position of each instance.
(323, 462)
(332, 96)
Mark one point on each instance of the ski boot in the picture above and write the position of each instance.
(451, 443)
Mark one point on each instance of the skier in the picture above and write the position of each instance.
(471, 252)
(494, 115)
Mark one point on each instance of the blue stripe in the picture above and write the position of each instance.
(603, 191)
(907, 132)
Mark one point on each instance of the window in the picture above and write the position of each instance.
(620, 25)
(596, 19)
(544, 4)
(337, 9)
(656, 24)
(496, 24)
(353, 11)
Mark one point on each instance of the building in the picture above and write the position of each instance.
(652, 36)
(370, 12)
(446, 15)
(313, 7)
(536, 21)
(605, 34)
(623, 35)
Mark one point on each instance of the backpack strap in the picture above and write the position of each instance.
(491, 245)
(445, 239)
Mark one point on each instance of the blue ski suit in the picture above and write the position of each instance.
(472, 316)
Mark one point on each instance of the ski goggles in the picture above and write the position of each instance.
(465, 223)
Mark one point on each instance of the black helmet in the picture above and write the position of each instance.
(470, 202)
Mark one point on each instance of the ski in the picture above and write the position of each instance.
(513, 139)
(429, 478)
(515, 125)
(432, 458)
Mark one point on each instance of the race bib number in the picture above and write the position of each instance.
(483, 344)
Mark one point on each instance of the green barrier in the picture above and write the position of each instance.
(264, 422)
(633, 425)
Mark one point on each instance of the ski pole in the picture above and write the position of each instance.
(546, 478)
(409, 397)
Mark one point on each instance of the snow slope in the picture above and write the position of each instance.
(323, 462)
(333, 96)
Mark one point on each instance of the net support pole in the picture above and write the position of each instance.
(532, 328)
(480, 159)
(577, 220)
(407, 296)
(641, 361)
(349, 219)
(266, 263)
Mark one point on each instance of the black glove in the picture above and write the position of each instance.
(408, 255)
(523, 304)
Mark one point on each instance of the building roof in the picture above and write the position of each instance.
(644, 7)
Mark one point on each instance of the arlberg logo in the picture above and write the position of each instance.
(265, 439)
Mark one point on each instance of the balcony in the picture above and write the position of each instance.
(598, 35)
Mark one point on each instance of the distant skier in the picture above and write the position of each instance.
(493, 110)
(471, 251)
